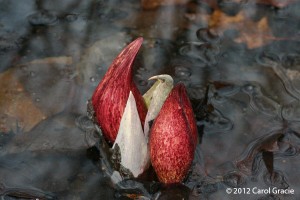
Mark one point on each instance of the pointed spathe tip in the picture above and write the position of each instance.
(163, 77)
(136, 44)
(140, 39)
(129, 52)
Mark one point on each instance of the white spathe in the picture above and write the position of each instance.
(131, 140)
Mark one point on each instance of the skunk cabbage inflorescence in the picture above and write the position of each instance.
(120, 111)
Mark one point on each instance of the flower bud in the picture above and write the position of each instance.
(173, 137)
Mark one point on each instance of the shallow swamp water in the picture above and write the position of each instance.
(240, 63)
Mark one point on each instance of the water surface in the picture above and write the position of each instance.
(240, 62)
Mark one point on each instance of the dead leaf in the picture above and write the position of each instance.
(151, 4)
(16, 107)
(49, 82)
(259, 35)
(52, 60)
(276, 3)
(255, 35)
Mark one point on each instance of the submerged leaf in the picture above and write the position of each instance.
(131, 140)
(155, 98)
(268, 158)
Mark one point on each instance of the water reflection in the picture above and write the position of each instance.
(238, 59)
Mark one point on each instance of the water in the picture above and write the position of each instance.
(240, 62)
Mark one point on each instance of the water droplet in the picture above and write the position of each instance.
(207, 35)
(184, 50)
(100, 68)
(182, 72)
(42, 17)
(24, 68)
(71, 17)
(252, 89)
(92, 79)
(32, 74)
(46, 144)
(267, 59)
(248, 88)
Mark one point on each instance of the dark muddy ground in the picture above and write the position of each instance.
(240, 62)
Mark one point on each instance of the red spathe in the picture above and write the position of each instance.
(173, 137)
(110, 97)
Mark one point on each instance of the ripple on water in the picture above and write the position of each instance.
(260, 102)
(216, 123)
(205, 188)
(267, 58)
(230, 7)
(291, 111)
(71, 17)
(250, 160)
(207, 35)
(198, 60)
(182, 72)
(84, 123)
(207, 53)
(276, 179)
(226, 89)
(234, 179)
(43, 17)
(291, 61)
